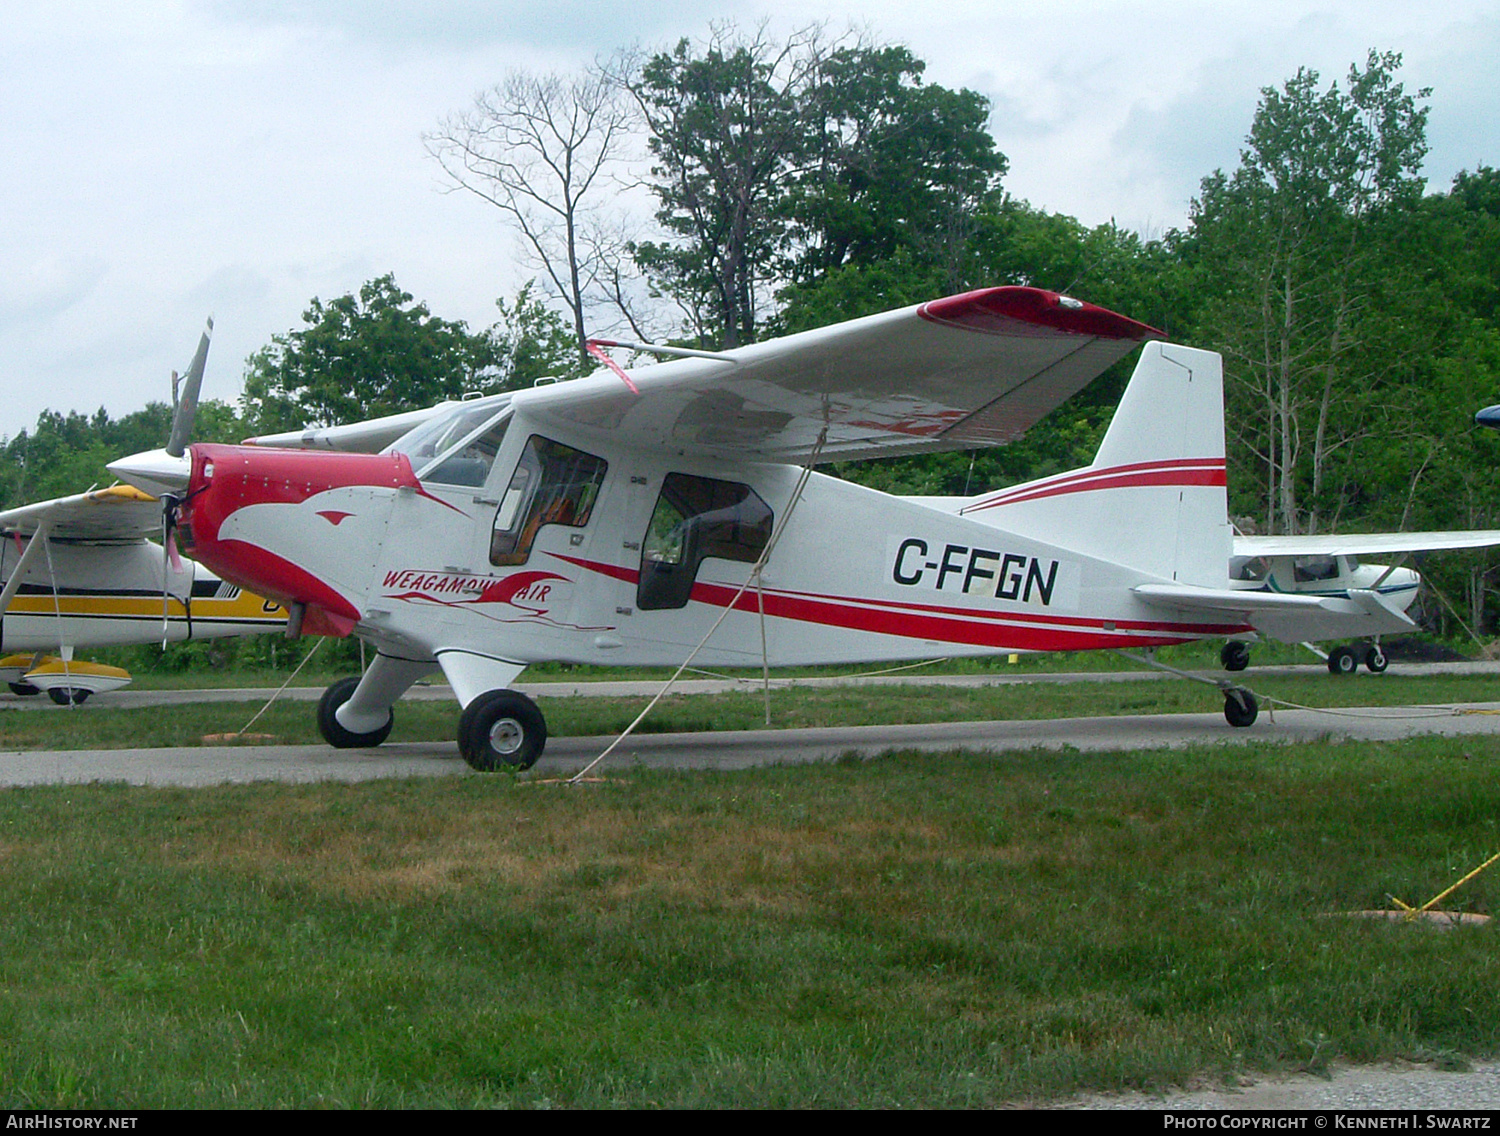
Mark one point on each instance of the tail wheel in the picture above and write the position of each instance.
(1343, 661)
(1240, 708)
(502, 729)
(334, 733)
(1234, 655)
(1375, 659)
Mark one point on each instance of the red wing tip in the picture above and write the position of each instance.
(996, 311)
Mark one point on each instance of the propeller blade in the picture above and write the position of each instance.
(187, 402)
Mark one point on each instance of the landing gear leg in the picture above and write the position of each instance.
(1240, 706)
(356, 712)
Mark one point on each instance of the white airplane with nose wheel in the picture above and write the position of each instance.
(1331, 567)
(634, 515)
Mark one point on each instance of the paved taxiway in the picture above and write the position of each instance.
(212, 765)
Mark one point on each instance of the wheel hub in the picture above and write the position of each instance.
(506, 736)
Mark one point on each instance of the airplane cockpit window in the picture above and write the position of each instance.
(1251, 568)
(459, 446)
(1312, 569)
(695, 518)
(553, 485)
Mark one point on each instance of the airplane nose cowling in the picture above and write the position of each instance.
(267, 550)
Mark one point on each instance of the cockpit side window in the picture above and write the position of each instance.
(1314, 569)
(1249, 568)
(553, 484)
(696, 518)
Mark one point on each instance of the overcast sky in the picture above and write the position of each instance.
(164, 159)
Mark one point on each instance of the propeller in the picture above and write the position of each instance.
(185, 406)
(184, 414)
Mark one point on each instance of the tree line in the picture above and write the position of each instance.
(797, 182)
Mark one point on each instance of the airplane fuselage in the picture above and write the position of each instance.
(664, 545)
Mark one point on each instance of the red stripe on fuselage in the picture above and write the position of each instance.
(1023, 631)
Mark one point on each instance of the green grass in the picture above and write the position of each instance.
(910, 931)
(97, 727)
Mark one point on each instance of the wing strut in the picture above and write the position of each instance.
(13, 585)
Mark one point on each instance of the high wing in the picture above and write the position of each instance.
(117, 515)
(972, 370)
(1361, 544)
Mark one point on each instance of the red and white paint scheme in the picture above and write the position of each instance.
(602, 522)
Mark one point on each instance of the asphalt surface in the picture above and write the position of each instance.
(197, 766)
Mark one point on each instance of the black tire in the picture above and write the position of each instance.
(1234, 655)
(334, 733)
(1240, 708)
(1375, 659)
(502, 729)
(63, 695)
(24, 689)
(1343, 661)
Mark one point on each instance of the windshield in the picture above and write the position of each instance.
(458, 446)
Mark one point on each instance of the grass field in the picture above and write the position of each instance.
(909, 931)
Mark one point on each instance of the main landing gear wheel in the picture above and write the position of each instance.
(23, 688)
(1235, 655)
(1343, 661)
(63, 695)
(502, 729)
(1240, 708)
(334, 733)
(1375, 659)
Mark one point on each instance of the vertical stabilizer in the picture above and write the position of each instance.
(1154, 496)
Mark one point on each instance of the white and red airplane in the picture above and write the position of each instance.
(614, 519)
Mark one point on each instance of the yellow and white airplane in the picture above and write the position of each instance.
(82, 571)
(79, 571)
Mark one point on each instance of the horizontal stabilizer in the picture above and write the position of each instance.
(1289, 618)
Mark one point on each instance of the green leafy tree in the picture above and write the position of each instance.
(727, 132)
(1288, 249)
(67, 453)
(362, 356)
(885, 209)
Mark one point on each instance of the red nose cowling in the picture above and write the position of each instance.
(228, 478)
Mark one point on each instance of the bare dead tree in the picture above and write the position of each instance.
(540, 149)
